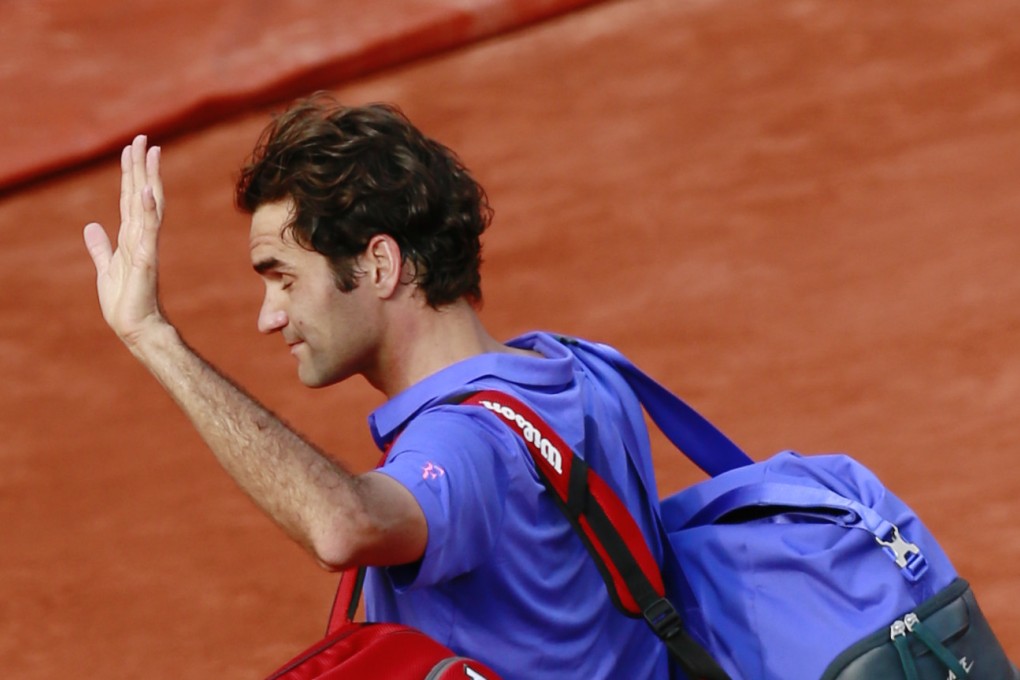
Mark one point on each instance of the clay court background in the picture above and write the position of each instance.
(800, 214)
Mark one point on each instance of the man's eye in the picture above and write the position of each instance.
(287, 283)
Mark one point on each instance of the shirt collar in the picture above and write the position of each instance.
(554, 368)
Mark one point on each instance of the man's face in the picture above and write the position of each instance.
(330, 333)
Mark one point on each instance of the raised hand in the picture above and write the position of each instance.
(126, 278)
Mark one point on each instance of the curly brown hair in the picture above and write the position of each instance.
(357, 171)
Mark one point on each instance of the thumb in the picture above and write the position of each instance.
(98, 245)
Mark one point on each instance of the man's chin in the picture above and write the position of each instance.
(316, 380)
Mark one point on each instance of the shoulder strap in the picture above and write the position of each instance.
(688, 430)
(607, 528)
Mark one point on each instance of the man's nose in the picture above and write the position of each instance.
(271, 318)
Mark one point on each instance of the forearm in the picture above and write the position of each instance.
(318, 503)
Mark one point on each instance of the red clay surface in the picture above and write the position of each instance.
(800, 214)
(88, 73)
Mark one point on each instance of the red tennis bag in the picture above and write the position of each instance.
(356, 651)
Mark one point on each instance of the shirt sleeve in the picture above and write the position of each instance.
(460, 469)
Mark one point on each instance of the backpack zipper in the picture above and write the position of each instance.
(910, 625)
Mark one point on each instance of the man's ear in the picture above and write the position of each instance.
(383, 265)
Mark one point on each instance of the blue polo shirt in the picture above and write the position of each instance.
(504, 578)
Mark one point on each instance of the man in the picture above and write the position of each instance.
(366, 235)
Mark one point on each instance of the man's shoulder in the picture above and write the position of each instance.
(448, 426)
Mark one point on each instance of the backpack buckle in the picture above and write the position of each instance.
(907, 555)
(663, 618)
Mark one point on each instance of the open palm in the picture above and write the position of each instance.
(126, 278)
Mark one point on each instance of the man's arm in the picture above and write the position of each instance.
(341, 519)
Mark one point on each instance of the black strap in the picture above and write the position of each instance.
(606, 527)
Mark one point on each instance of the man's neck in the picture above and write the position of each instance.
(424, 340)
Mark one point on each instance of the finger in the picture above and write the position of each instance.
(138, 179)
(126, 191)
(149, 231)
(98, 245)
(152, 204)
(152, 163)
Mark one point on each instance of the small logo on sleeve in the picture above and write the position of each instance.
(432, 471)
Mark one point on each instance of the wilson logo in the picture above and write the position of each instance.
(530, 433)
(967, 666)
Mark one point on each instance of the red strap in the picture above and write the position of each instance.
(607, 527)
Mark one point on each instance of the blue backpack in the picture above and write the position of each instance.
(794, 568)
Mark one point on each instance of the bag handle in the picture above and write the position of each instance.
(688, 430)
(764, 494)
(605, 526)
(345, 602)
(850, 514)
